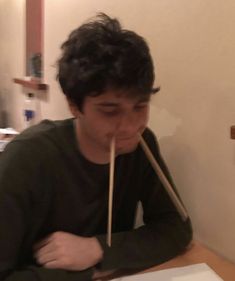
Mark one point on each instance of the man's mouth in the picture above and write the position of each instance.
(125, 138)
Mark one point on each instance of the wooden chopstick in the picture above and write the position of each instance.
(111, 183)
(179, 206)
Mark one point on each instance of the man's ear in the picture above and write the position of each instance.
(74, 109)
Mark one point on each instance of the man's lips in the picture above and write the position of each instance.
(126, 138)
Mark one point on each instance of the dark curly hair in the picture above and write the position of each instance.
(100, 55)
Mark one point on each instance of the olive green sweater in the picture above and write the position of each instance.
(46, 185)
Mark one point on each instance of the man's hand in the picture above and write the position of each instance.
(67, 251)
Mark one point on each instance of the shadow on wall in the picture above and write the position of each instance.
(3, 112)
(189, 176)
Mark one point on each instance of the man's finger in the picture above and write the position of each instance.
(54, 264)
(44, 251)
(44, 259)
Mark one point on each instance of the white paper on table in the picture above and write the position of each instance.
(196, 272)
(4, 134)
(3, 143)
(8, 131)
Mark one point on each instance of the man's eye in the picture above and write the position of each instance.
(140, 107)
(110, 112)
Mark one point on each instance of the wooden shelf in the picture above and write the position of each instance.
(232, 132)
(31, 84)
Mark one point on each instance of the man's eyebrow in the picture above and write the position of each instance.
(116, 104)
(108, 104)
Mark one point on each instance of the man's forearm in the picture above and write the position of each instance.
(146, 246)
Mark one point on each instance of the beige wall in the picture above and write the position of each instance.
(12, 57)
(193, 46)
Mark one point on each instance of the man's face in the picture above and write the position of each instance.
(114, 114)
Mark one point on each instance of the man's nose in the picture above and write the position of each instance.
(128, 124)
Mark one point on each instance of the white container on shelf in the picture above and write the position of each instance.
(29, 110)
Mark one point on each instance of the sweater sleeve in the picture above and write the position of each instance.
(20, 173)
(164, 234)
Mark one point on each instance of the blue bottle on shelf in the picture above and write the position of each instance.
(29, 110)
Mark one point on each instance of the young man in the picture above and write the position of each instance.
(54, 176)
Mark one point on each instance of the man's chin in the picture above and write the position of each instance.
(126, 149)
